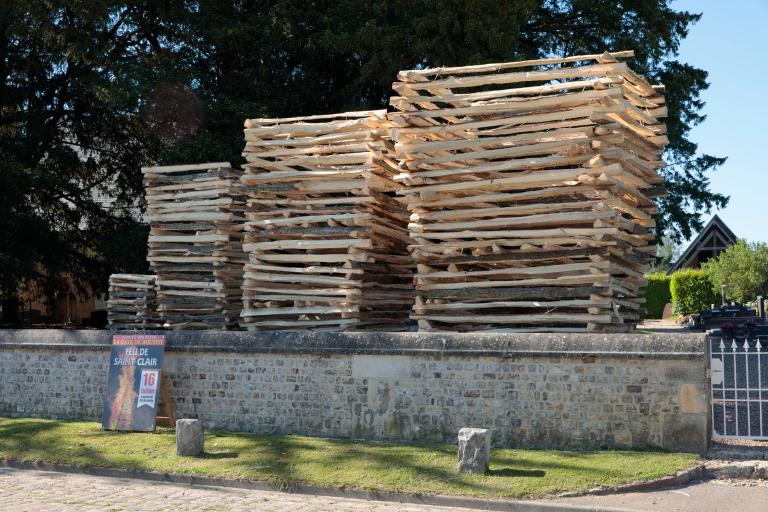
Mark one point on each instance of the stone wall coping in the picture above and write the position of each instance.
(640, 345)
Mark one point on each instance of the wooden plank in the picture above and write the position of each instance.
(569, 318)
(170, 169)
(594, 70)
(498, 66)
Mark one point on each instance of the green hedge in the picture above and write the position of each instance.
(657, 294)
(692, 291)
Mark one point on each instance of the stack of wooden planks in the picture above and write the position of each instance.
(530, 188)
(195, 243)
(326, 235)
(131, 303)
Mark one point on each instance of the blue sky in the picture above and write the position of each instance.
(730, 42)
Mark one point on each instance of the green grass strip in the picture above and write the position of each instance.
(371, 466)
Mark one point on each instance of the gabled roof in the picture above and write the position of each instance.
(713, 226)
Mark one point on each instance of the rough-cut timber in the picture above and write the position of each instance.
(132, 303)
(325, 232)
(530, 189)
(195, 243)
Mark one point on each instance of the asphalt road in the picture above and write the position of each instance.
(712, 496)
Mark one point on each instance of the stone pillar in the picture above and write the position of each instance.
(189, 437)
(474, 450)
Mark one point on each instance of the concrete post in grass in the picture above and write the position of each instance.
(189, 437)
(474, 450)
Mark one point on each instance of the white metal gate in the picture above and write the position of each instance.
(739, 373)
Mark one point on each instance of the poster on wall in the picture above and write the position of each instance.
(133, 382)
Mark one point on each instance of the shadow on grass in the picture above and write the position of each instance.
(517, 473)
(17, 436)
(217, 455)
(417, 463)
(27, 427)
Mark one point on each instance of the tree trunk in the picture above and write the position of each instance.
(11, 314)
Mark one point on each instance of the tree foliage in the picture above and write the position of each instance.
(92, 90)
(667, 253)
(70, 142)
(743, 269)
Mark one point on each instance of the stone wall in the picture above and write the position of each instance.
(579, 391)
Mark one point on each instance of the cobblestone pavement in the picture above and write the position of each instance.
(36, 491)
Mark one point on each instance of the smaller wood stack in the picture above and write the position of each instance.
(326, 236)
(132, 302)
(195, 243)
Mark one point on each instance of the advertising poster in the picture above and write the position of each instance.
(133, 382)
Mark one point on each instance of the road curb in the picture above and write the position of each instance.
(683, 477)
(437, 500)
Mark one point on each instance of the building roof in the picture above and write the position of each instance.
(716, 226)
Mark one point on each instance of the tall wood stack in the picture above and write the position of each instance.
(195, 243)
(325, 233)
(132, 303)
(529, 186)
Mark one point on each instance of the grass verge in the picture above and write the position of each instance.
(371, 466)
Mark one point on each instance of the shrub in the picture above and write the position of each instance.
(657, 294)
(742, 268)
(692, 291)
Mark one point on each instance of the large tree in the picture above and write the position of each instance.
(70, 145)
(91, 90)
(296, 57)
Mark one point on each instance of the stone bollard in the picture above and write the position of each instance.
(189, 437)
(474, 450)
